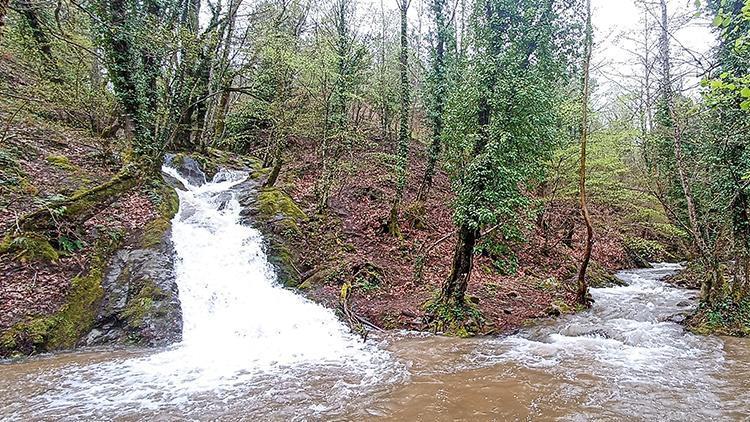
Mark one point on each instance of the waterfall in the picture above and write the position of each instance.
(231, 302)
(244, 335)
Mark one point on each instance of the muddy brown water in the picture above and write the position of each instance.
(623, 360)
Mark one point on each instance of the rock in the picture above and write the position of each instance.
(223, 200)
(507, 311)
(473, 299)
(173, 182)
(187, 167)
(677, 318)
(554, 311)
(141, 304)
(684, 304)
(512, 294)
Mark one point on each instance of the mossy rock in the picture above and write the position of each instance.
(454, 320)
(64, 328)
(691, 277)
(29, 246)
(282, 259)
(143, 305)
(213, 160)
(728, 318)
(644, 251)
(277, 208)
(600, 277)
(62, 162)
(167, 202)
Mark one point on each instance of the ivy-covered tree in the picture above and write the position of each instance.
(729, 100)
(128, 32)
(583, 288)
(501, 121)
(404, 134)
(436, 91)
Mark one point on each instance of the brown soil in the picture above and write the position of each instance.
(352, 232)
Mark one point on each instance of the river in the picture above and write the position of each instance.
(255, 351)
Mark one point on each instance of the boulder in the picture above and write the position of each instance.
(140, 304)
(187, 167)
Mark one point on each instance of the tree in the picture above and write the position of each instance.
(437, 88)
(729, 100)
(343, 63)
(521, 50)
(404, 135)
(34, 17)
(582, 292)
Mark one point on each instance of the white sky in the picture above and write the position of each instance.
(614, 18)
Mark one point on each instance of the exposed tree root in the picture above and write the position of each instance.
(357, 323)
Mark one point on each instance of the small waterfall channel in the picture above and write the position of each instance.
(244, 336)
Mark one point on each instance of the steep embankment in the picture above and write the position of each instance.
(107, 280)
(515, 279)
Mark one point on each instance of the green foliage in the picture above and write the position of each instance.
(726, 317)
(11, 173)
(29, 247)
(62, 162)
(647, 250)
(494, 163)
(500, 249)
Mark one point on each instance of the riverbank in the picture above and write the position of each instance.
(518, 277)
(54, 282)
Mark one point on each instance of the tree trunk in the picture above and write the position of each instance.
(3, 14)
(583, 288)
(31, 16)
(278, 161)
(669, 104)
(454, 288)
(403, 133)
(439, 92)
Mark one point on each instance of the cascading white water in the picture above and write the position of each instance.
(243, 334)
(230, 298)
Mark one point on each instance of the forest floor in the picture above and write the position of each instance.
(350, 243)
(43, 159)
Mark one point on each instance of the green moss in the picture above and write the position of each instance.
(154, 232)
(64, 328)
(62, 162)
(142, 305)
(29, 247)
(10, 171)
(727, 318)
(562, 306)
(167, 202)
(213, 159)
(273, 203)
(459, 320)
(600, 277)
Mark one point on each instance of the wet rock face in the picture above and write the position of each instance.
(187, 167)
(141, 304)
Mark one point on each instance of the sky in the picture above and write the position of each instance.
(615, 18)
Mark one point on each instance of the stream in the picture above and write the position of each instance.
(253, 350)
